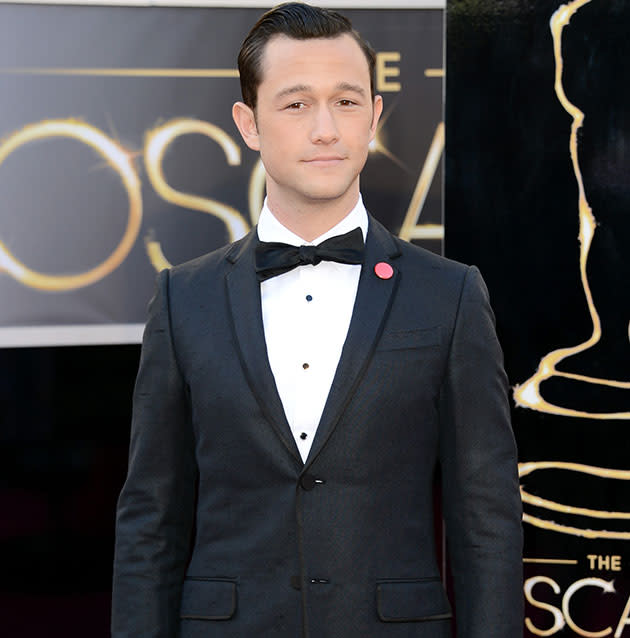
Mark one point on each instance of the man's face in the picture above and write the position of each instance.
(314, 119)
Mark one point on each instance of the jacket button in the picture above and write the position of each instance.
(308, 482)
(295, 582)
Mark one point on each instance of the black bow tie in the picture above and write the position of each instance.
(274, 258)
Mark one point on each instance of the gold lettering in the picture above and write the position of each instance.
(558, 619)
(410, 228)
(606, 586)
(604, 563)
(384, 71)
(157, 141)
(623, 621)
(118, 159)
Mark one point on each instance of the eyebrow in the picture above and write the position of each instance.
(290, 90)
(299, 88)
(355, 88)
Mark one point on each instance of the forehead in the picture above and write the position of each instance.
(340, 59)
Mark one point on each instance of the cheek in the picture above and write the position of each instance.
(275, 159)
(360, 135)
(278, 142)
(273, 153)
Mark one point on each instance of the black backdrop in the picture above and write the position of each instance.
(512, 207)
(64, 434)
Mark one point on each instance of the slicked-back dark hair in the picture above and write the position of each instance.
(298, 21)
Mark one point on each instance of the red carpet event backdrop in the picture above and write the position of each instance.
(119, 157)
(538, 194)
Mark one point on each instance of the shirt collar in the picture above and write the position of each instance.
(270, 229)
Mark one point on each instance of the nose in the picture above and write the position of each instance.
(324, 129)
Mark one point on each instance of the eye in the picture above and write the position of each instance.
(346, 102)
(296, 106)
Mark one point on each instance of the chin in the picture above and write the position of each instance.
(324, 197)
(326, 192)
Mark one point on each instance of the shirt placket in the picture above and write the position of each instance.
(307, 363)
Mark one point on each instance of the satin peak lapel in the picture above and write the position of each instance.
(243, 293)
(371, 307)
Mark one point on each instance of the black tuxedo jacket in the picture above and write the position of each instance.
(223, 532)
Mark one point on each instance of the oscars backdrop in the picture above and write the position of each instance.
(119, 157)
(538, 195)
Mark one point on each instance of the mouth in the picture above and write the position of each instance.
(324, 160)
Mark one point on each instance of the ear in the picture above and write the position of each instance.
(245, 121)
(376, 114)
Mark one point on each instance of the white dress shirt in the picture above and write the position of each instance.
(306, 314)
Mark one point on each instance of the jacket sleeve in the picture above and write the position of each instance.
(155, 516)
(480, 491)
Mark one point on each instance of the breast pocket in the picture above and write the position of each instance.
(410, 339)
(208, 599)
(410, 600)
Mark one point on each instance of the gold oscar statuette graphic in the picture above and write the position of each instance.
(620, 475)
(528, 394)
(118, 159)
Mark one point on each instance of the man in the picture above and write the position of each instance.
(293, 402)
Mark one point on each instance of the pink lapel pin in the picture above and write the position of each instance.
(383, 270)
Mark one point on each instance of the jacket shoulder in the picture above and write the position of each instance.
(416, 257)
(419, 264)
(429, 258)
(208, 267)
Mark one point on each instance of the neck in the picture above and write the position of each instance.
(310, 221)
